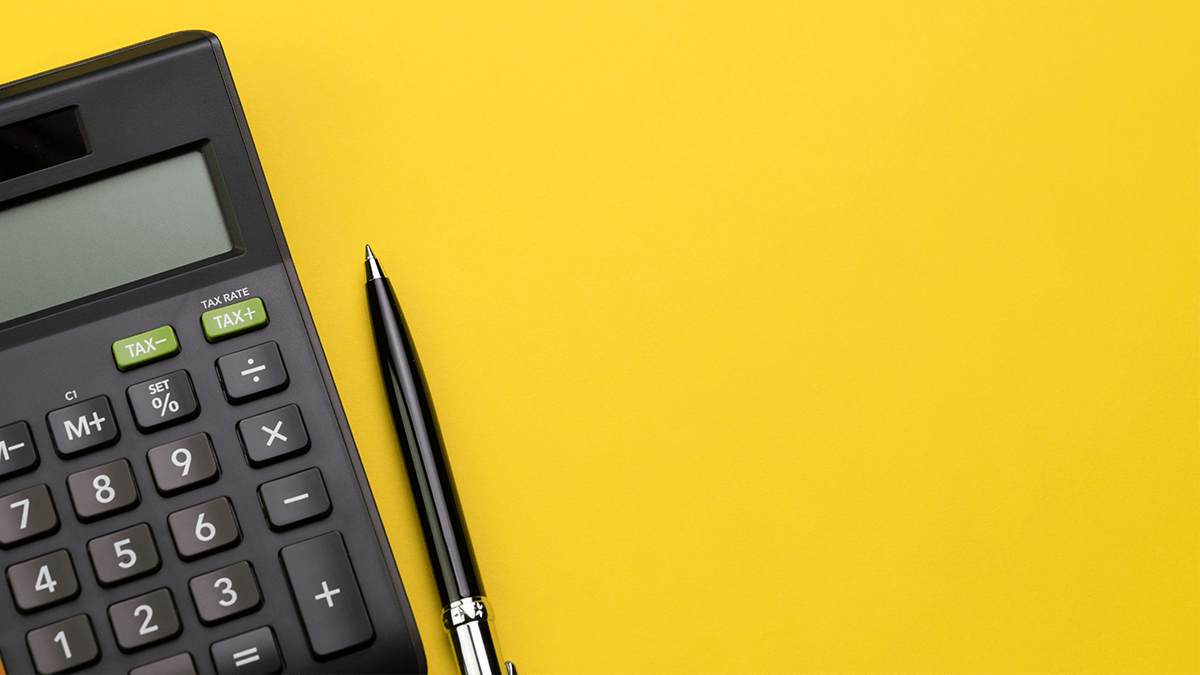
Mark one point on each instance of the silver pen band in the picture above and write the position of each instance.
(468, 620)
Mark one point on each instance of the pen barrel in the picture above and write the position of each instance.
(424, 452)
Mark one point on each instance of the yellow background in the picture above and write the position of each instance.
(765, 338)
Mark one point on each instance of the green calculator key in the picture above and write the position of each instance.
(232, 319)
(145, 347)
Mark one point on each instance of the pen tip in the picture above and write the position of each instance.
(369, 253)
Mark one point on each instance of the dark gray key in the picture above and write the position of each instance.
(103, 490)
(225, 593)
(17, 451)
(145, 620)
(64, 645)
(295, 499)
(251, 653)
(46, 580)
(163, 401)
(26, 515)
(184, 464)
(273, 435)
(204, 528)
(326, 592)
(180, 664)
(83, 427)
(252, 372)
(123, 555)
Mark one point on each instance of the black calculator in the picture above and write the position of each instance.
(179, 489)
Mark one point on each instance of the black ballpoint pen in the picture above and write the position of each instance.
(465, 610)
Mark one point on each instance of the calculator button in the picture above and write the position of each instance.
(123, 555)
(295, 499)
(225, 322)
(251, 653)
(143, 348)
(26, 515)
(145, 620)
(273, 435)
(326, 592)
(43, 581)
(17, 452)
(83, 427)
(64, 645)
(180, 664)
(225, 593)
(103, 490)
(204, 528)
(252, 372)
(183, 464)
(163, 401)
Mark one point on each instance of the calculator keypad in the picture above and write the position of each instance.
(225, 593)
(17, 451)
(317, 572)
(205, 528)
(43, 581)
(63, 646)
(184, 464)
(103, 490)
(26, 515)
(145, 620)
(124, 555)
(163, 401)
(86, 426)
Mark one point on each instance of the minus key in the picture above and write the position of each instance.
(295, 499)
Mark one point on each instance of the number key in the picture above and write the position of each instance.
(225, 593)
(204, 528)
(145, 620)
(123, 555)
(26, 515)
(183, 464)
(64, 645)
(103, 490)
(43, 581)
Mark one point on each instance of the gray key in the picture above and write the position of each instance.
(180, 664)
(123, 555)
(326, 593)
(184, 464)
(251, 653)
(46, 580)
(64, 645)
(252, 372)
(17, 451)
(103, 490)
(225, 593)
(145, 620)
(204, 528)
(25, 515)
(83, 427)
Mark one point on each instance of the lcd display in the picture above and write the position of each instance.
(108, 233)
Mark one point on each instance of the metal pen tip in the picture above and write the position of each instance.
(374, 271)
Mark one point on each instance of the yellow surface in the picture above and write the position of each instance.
(785, 337)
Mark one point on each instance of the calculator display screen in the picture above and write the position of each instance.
(109, 232)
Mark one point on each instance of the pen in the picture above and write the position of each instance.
(465, 610)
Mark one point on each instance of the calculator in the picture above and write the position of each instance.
(179, 489)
